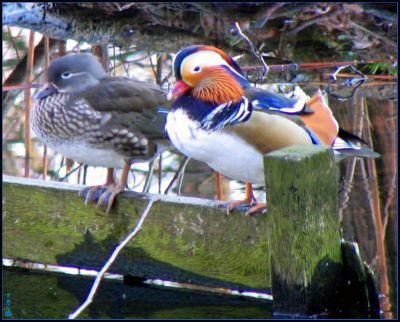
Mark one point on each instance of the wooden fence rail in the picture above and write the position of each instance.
(295, 248)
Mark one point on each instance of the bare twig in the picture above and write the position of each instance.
(181, 175)
(21, 86)
(13, 43)
(178, 175)
(310, 83)
(344, 195)
(373, 34)
(110, 261)
(369, 76)
(374, 200)
(318, 19)
(62, 47)
(159, 172)
(392, 166)
(79, 166)
(46, 66)
(166, 79)
(157, 70)
(45, 163)
(218, 186)
(14, 124)
(263, 16)
(29, 77)
(18, 74)
(84, 177)
(254, 51)
(318, 65)
(358, 81)
(79, 271)
(149, 176)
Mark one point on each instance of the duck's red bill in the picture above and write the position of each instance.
(179, 89)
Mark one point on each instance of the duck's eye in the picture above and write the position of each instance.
(66, 75)
(197, 69)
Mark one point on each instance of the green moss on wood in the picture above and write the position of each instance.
(303, 227)
(50, 223)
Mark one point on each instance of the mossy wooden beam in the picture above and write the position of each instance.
(304, 231)
(182, 239)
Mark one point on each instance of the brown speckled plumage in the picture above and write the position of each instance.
(116, 114)
(99, 120)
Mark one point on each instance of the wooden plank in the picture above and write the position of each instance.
(304, 230)
(183, 239)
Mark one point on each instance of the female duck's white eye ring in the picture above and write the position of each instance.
(196, 69)
(66, 75)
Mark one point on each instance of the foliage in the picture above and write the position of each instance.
(381, 68)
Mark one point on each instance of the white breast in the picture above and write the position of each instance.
(83, 153)
(224, 152)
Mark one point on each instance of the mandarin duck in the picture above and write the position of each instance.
(99, 120)
(219, 118)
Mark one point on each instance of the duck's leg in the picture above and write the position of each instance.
(107, 197)
(218, 186)
(249, 201)
(94, 192)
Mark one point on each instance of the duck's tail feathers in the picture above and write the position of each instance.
(350, 145)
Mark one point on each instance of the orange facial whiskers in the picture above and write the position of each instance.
(218, 87)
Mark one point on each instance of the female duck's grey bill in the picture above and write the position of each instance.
(48, 90)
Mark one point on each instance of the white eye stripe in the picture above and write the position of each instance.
(201, 59)
(206, 58)
(67, 74)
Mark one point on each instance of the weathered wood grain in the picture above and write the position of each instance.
(303, 229)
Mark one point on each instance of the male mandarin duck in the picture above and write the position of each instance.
(217, 117)
(99, 120)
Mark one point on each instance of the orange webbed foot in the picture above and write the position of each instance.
(250, 203)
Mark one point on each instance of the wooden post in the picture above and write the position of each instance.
(304, 231)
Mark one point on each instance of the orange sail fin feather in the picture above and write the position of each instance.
(321, 122)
